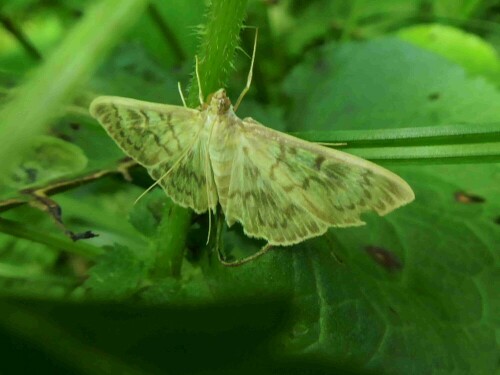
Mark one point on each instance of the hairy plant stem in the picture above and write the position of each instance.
(219, 39)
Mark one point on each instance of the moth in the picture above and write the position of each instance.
(280, 188)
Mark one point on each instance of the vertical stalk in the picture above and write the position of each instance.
(219, 39)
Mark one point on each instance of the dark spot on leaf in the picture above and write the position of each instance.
(391, 309)
(321, 66)
(31, 174)
(434, 96)
(75, 126)
(384, 258)
(64, 137)
(497, 220)
(465, 198)
(149, 76)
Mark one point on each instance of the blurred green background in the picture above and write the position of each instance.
(91, 283)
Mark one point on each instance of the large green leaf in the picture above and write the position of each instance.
(383, 84)
(418, 290)
(48, 159)
(117, 274)
(476, 55)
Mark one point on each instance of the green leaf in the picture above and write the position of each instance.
(131, 71)
(300, 25)
(85, 133)
(169, 35)
(468, 50)
(147, 214)
(157, 217)
(415, 291)
(192, 287)
(398, 293)
(39, 100)
(118, 274)
(48, 159)
(385, 83)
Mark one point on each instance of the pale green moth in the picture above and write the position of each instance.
(280, 188)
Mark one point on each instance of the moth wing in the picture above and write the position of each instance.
(286, 190)
(161, 138)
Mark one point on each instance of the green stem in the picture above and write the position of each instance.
(44, 237)
(172, 234)
(216, 53)
(425, 145)
(422, 136)
(426, 155)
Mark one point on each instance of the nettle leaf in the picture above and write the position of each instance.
(181, 19)
(192, 287)
(413, 292)
(117, 274)
(47, 159)
(304, 24)
(385, 83)
(151, 216)
(477, 56)
(132, 72)
(147, 214)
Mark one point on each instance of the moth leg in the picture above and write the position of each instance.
(250, 73)
(266, 248)
(200, 94)
(218, 236)
(207, 160)
(182, 95)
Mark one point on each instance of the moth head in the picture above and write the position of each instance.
(219, 102)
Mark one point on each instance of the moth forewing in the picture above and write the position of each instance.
(166, 139)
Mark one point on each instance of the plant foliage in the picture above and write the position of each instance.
(98, 284)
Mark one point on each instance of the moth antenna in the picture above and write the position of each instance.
(266, 248)
(209, 225)
(182, 95)
(200, 94)
(250, 73)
